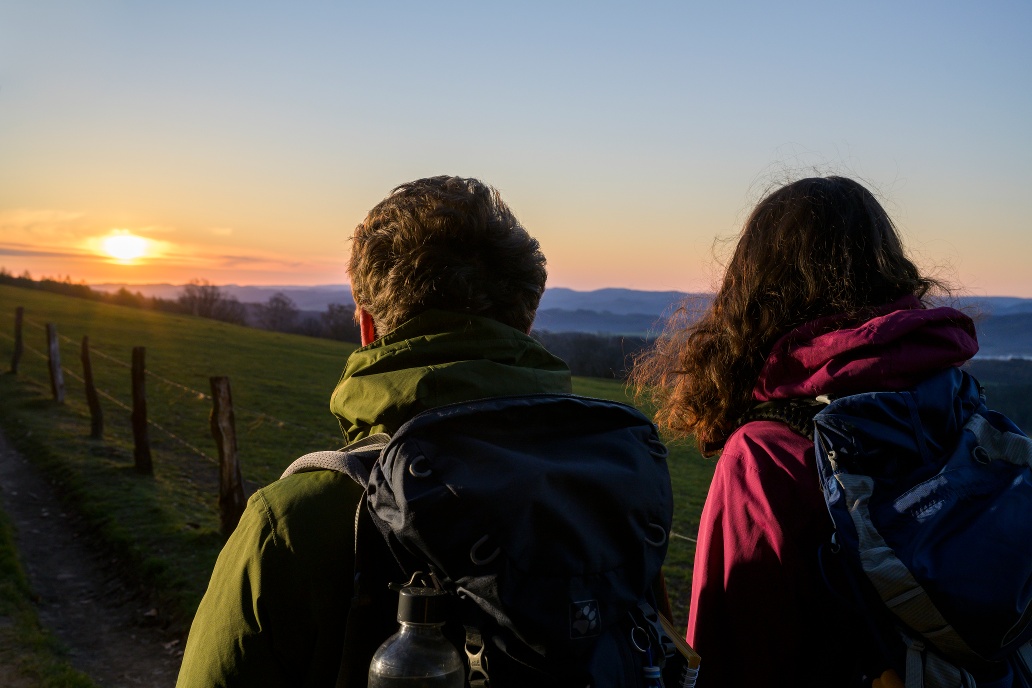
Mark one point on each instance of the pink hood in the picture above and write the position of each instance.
(903, 344)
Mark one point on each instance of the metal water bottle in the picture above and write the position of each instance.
(418, 655)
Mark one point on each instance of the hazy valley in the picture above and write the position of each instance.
(1004, 323)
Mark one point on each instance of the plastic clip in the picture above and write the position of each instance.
(477, 677)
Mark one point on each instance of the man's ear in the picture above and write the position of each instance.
(366, 326)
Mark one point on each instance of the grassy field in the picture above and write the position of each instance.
(164, 528)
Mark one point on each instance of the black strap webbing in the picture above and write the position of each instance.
(372, 614)
(795, 413)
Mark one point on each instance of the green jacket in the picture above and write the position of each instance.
(274, 611)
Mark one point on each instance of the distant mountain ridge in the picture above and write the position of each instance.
(1004, 322)
(614, 300)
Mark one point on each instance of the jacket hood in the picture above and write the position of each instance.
(439, 358)
(902, 344)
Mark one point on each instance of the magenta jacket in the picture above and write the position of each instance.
(760, 614)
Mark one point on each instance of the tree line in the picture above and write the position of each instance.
(589, 355)
(201, 298)
(594, 355)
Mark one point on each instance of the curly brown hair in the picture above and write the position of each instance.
(448, 243)
(813, 248)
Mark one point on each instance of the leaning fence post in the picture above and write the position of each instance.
(96, 416)
(223, 429)
(141, 443)
(19, 314)
(57, 387)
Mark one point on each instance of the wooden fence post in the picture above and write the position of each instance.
(19, 314)
(223, 429)
(96, 416)
(141, 442)
(57, 386)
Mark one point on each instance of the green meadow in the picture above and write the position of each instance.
(164, 529)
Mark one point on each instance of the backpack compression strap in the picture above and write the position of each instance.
(1023, 662)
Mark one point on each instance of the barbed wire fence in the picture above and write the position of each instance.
(222, 410)
(231, 494)
(260, 417)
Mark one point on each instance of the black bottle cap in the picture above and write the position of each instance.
(422, 605)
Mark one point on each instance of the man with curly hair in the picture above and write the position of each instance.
(446, 283)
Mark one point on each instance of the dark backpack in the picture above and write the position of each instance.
(546, 516)
(931, 498)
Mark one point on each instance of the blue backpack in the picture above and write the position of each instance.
(931, 498)
(546, 516)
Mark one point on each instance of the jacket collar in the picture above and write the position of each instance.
(439, 358)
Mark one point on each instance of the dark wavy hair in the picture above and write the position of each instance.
(447, 243)
(816, 247)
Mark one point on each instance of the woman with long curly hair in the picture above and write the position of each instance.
(818, 298)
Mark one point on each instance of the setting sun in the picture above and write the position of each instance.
(125, 247)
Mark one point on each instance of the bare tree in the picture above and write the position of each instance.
(279, 313)
(200, 297)
(206, 300)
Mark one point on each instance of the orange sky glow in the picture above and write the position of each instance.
(631, 141)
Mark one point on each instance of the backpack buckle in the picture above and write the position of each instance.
(474, 647)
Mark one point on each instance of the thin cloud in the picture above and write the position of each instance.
(203, 257)
(254, 261)
(35, 253)
(11, 248)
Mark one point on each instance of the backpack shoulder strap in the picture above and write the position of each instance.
(371, 613)
(370, 617)
(355, 459)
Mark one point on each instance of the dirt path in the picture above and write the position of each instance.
(112, 633)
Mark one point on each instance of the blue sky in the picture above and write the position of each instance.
(245, 140)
